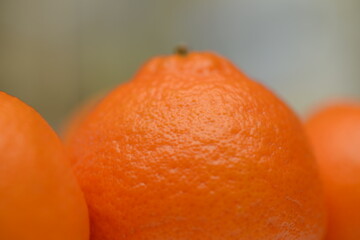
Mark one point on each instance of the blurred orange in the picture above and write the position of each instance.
(191, 148)
(335, 135)
(75, 119)
(39, 196)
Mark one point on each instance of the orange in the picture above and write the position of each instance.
(77, 116)
(335, 135)
(191, 148)
(39, 195)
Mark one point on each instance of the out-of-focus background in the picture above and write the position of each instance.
(55, 54)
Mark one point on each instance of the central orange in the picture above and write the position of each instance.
(191, 148)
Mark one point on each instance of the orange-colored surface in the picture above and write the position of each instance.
(193, 149)
(335, 134)
(39, 196)
(75, 119)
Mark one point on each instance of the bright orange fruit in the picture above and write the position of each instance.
(335, 135)
(39, 195)
(191, 148)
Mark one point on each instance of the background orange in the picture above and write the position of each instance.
(39, 196)
(334, 131)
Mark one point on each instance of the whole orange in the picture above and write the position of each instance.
(335, 135)
(39, 195)
(191, 148)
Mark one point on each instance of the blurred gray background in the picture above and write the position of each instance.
(56, 54)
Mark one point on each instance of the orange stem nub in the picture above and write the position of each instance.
(181, 50)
